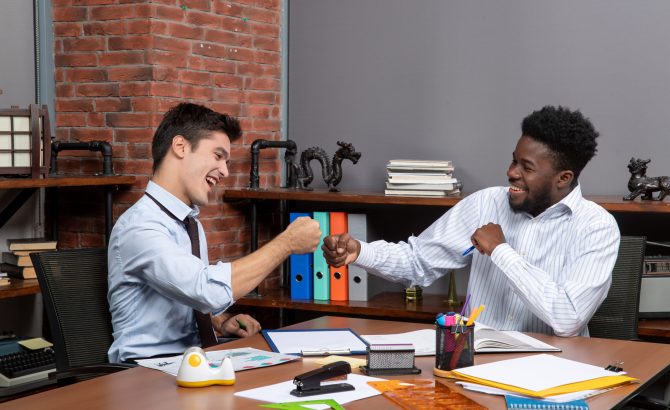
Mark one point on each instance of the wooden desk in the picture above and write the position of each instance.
(150, 389)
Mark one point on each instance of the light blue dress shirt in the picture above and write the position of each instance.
(550, 276)
(155, 282)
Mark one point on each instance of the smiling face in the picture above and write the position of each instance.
(535, 184)
(203, 167)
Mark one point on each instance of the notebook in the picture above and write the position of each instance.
(490, 340)
(516, 402)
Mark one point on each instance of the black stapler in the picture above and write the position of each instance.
(309, 384)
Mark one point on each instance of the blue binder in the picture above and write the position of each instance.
(300, 268)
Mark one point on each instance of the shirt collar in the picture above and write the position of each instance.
(171, 202)
(568, 204)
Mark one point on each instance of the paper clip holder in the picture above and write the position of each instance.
(309, 383)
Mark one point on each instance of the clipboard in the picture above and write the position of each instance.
(315, 342)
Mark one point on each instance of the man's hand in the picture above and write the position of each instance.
(486, 238)
(236, 326)
(303, 235)
(340, 249)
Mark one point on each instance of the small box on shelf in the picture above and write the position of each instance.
(25, 141)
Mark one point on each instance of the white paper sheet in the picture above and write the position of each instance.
(536, 372)
(280, 392)
(244, 358)
(423, 340)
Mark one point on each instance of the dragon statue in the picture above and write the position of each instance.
(330, 170)
(639, 183)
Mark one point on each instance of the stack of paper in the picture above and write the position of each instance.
(421, 178)
(541, 376)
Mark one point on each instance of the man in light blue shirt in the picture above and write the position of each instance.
(155, 281)
(544, 254)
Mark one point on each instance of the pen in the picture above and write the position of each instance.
(474, 315)
(467, 251)
(325, 352)
(241, 325)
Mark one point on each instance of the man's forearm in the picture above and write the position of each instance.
(250, 270)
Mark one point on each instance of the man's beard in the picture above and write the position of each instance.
(533, 206)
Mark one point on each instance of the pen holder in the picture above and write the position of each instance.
(454, 348)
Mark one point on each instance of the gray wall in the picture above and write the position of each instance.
(17, 48)
(23, 315)
(447, 79)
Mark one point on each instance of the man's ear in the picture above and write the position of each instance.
(565, 179)
(179, 145)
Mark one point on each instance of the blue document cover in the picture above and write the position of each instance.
(301, 270)
(321, 271)
(515, 402)
(315, 342)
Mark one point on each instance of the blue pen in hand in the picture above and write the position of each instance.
(467, 251)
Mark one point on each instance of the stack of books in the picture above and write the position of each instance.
(17, 263)
(416, 177)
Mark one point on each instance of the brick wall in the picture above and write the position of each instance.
(120, 64)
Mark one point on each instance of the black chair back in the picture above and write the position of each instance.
(74, 290)
(617, 317)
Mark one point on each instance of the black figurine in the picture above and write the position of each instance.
(640, 183)
(331, 171)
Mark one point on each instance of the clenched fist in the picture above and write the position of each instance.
(303, 235)
(340, 249)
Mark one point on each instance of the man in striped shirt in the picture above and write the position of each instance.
(544, 254)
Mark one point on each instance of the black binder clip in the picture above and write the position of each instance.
(309, 384)
(616, 367)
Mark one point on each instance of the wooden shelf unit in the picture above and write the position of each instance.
(65, 181)
(19, 287)
(27, 187)
(383, 305)
(610, 202)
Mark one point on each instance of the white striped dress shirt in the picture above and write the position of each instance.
(550, 276)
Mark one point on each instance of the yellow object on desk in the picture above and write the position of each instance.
(353, 361)
(35, 343)
(541, 375)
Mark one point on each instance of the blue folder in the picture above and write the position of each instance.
(302, 284)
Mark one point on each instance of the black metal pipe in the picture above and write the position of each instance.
(108, 213)
(289, 158)
(104, 147)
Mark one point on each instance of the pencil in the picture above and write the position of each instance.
(241, 325)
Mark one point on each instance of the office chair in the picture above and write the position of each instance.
(617, 317)
(74, 290)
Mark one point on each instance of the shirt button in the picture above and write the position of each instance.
(509, 318)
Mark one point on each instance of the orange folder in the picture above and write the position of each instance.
(339, 277)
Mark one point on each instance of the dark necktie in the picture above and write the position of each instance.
(204, 321)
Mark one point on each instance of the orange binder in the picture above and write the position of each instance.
(339, 277)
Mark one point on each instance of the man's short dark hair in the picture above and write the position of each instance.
(567, 133)
(193, 122)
